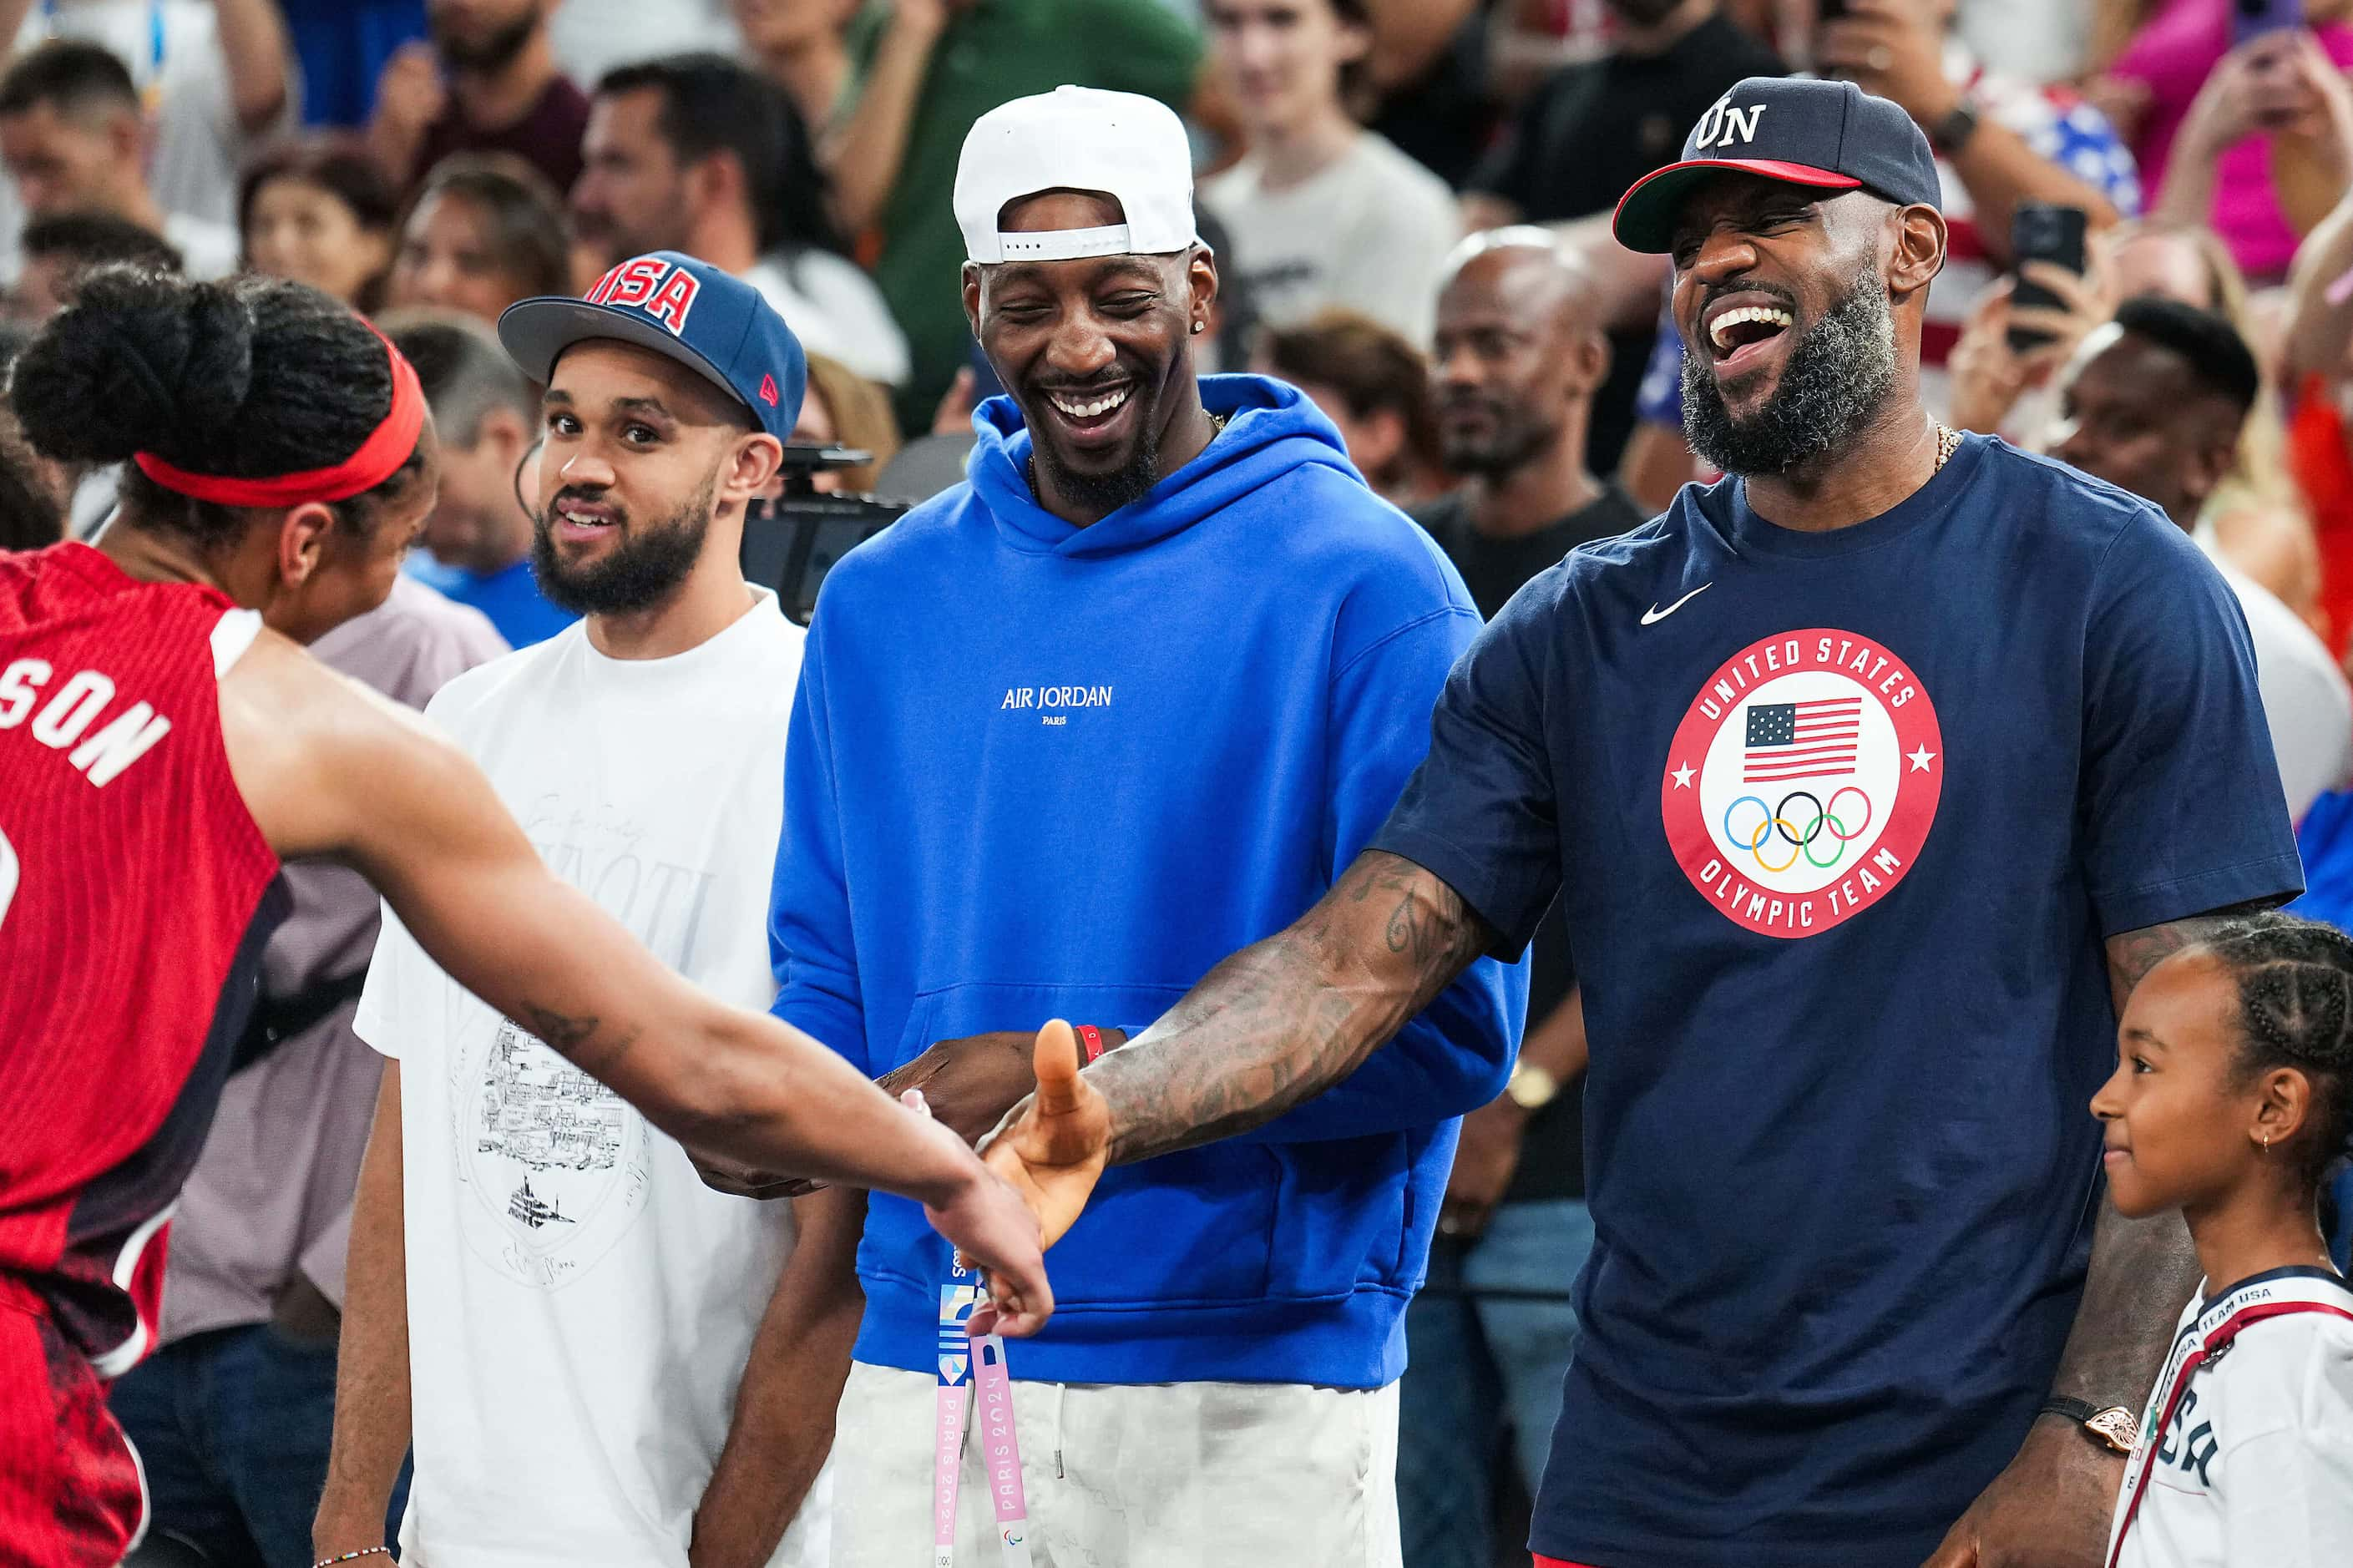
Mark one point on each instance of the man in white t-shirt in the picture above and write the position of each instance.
(1321, 212)
(2154, 401)
(74, 138)
(578, 1305)
(697, 154)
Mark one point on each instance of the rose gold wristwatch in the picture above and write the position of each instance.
(2114, 1427)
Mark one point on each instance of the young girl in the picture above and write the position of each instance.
(2232, 1093)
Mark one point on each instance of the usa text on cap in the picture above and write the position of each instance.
(1130, 148)
(713, 323)
(1826, 135)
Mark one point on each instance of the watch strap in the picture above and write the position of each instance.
(2112, 1426)
(1952, 133)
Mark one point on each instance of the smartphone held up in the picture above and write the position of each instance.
(2042, 231)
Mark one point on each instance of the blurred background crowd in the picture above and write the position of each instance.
(2152, 211)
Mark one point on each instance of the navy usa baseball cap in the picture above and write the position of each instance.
(713, 323)
(1828, 135)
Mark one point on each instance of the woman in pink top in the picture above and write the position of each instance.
(2151, 89)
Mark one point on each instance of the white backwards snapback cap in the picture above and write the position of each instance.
(1130, 148)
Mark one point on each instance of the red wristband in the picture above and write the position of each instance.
(1091, 1043)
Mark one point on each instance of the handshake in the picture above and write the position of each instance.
(1041, 1128)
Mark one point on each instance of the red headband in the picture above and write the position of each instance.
(377, 459)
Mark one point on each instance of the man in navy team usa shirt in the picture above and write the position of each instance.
(1867, 780)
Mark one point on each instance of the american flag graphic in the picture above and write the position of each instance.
(1802, 740)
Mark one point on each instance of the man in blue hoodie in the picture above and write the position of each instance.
(1066, 735)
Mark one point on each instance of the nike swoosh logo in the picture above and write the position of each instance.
(1654, 615)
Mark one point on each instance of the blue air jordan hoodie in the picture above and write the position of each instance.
(1040, 770)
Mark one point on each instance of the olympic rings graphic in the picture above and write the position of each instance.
(1813, 829)
(1775, 821)
(1829, 812)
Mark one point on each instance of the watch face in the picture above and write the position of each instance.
(2116, 1427)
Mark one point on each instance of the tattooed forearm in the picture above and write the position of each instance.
(1279, 1022)
(594, 1048)
(2142, 1271)
(561, 1031)
(2134, 953)
(1415, 934)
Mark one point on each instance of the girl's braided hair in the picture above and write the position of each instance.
(2295, 1009)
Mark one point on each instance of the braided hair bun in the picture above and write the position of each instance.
(2295, 1009)
(249, 378)
(141, 362)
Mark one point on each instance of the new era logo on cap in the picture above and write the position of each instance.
(683, 308)
(1825, 135)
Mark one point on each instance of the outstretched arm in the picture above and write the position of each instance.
(1466, 864)
(1282, 1021)
(1274, 1025)
(329, 768)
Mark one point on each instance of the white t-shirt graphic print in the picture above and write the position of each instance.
(580, 1304)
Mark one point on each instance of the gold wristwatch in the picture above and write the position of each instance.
(2114, 1427)
(1530, 1087)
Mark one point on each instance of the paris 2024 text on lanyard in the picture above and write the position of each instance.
(979, 1363)
(966, 1362)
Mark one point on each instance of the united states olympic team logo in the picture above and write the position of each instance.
(1803, 780)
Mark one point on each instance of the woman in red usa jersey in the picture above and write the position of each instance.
(2232, 1096)
(164, 742)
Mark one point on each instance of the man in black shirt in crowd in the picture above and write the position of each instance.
(1519, 352)
(1586, 135)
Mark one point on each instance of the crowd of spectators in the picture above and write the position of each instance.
(1409, 201)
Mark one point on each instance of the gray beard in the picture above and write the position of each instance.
(1839, 375)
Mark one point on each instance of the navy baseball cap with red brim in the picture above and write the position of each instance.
(1825, 135)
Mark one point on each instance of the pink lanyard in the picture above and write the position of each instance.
(2200, 1342)
(967, 1362)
